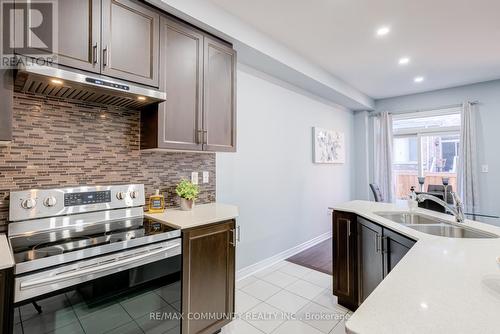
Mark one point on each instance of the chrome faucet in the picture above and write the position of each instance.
(457, 210)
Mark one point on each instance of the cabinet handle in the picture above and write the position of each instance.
(94, 54)
(383, 244)
(105, 56)
(377, 243)
(348, 228)
(199, 136)
(205, 136)
(233, 240)
(238, 233)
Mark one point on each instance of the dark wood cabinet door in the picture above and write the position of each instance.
(370, 258)
(79, 34)
(208, 276)
(345, 258)
(6, 105)
(395, 247)
(130, 41)
(219, 98)
(180, 117)
(6, 300)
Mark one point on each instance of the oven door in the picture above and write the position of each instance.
(133, 291)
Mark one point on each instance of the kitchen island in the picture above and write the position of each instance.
(442, 285)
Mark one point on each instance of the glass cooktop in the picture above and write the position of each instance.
(62, 241)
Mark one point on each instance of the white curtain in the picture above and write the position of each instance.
(383, 155)
(467, 162)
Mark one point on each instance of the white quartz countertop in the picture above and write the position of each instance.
(201, 214)
(6, 259)
(443, 285)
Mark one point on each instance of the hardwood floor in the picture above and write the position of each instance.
(318, 257)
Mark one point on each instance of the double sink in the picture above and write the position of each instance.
(434, 226)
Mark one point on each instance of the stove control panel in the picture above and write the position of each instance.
(91, 197)
(42, 203)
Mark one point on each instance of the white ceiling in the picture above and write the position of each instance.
(450, 42)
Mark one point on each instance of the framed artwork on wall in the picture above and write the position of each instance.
(329, 146)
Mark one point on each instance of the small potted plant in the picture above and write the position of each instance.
(188, 192)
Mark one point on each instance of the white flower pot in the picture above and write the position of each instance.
(186, 204)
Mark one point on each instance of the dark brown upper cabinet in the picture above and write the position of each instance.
(130, 41)
(116, 38)
(6, 105)
(208, 276)
(79, 38)
(180, 117)
(219, 117)
(198, 73)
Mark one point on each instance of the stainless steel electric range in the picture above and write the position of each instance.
(88, 261)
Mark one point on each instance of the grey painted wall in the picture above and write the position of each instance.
(283, 197)
(488, 94)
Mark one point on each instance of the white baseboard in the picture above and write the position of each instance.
(261, 265)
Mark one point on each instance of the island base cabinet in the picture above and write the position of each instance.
(364, 253)
(208, 278)
(370, 258)
(345, 259)
(395, 246)
(379, 251)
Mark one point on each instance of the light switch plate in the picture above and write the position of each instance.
(484, 168)
(206, 177)
(194, 177)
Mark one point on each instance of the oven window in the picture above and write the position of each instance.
(145, 299)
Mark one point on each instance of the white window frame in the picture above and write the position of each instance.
(425, 132)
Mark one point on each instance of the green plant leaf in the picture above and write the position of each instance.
(186, 189)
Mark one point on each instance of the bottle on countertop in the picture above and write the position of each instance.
(157, 202)
(412, 199)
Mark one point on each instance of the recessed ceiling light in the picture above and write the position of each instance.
(404, 61)
(56, 81)
(418, 79)
(382, 31)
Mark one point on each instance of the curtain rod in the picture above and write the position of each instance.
(400, 112)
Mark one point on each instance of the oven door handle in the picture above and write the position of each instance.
(105, 267)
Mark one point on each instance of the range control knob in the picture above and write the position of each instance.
(134, 194)
(50, 201)
(28, 204)
(121, 195)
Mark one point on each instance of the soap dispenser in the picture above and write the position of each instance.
(157, 203)
(412, 199)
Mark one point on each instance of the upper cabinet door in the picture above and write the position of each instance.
(79, 31)
(130, 41)
(181, 66)
(219, 99)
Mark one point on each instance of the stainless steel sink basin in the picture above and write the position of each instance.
(434, 226)
(451, 231)
(409, 218)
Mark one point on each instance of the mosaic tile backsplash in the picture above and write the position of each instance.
(62, 144)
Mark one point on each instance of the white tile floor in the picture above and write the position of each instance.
(287, 299)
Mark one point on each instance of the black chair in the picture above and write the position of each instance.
(377, 194)
(438, 190)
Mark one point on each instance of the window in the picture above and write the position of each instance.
(426, 144)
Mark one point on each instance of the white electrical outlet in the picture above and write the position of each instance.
(194, 177)
(206, 177)
(484, 168)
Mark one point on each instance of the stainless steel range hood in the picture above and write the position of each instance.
(81, 86)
